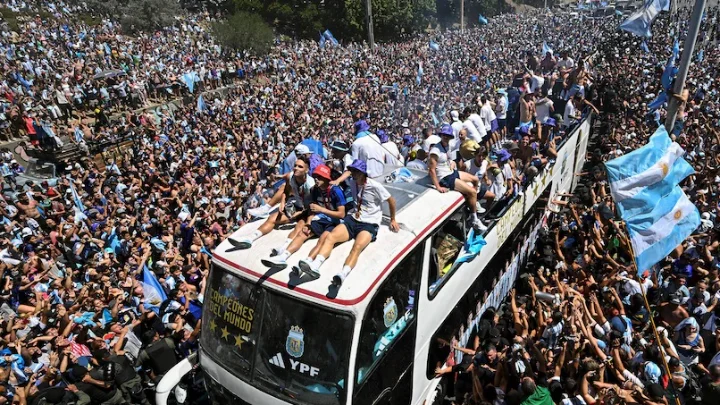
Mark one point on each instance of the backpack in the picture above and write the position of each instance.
(692, 390)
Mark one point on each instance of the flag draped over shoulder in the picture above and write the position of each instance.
(645, 186)
(639, 22)
(152, 291)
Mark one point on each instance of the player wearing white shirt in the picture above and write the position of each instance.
(445, 177)
(362, 224)
(367, 147)
(457, 125)
(478, 122)
(489, 119)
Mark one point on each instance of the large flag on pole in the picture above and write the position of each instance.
(329, 36)
(639, 179)
(639, 22)
(655, 234)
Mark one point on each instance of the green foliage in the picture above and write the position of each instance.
(345, 18)
(13, 19)
(244, 31)
(139, 15)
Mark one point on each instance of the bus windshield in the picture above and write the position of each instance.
(293, 350)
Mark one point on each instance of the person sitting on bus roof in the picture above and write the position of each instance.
(294, 197)
(322, 215)
(340, 155)
(362, 224)
(445, 175)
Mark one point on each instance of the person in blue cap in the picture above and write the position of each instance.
(445, 176)
(361, 224)
(368, 148)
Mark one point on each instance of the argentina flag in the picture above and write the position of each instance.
(656, 233)
(639, 22)
(641, 178)
(153, 292)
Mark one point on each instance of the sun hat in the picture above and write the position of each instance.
(359, 165)
(446, 130)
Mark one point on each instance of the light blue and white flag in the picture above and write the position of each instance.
(153, 292)
(420, 74)
(79, 206)
(546, 49)
(434, 46)
(641, 178)
(656, 233)
(201, 106)
(329, 36)
(322, 41)
(482, 20)
(639, 22)
(644, 47)
(701, 55)
(189, 80)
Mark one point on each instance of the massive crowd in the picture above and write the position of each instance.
(486, 107)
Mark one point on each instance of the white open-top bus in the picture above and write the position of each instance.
(273, 337)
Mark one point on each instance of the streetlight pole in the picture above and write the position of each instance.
(686, 60)
(368, 12)
(462, 15)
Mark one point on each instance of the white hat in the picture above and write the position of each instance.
(26, 232)
(184, 216)
(455, 115)
(302, 150)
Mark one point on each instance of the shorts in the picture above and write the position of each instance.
(322, 224)
(483, 189)
(494, 125)
(449, 180)
(501, 124)
(354, 227)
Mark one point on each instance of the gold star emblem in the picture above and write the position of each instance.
(537, 187)
(239, 341)
(678, 215)
(224, 332)
(665, 169)
(213, 325)
(545, 179)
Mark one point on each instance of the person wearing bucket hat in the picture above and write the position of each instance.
(294, 198)
(326, 209)
(367, 147)
(339, 152)
(445, 176)
(361, 224)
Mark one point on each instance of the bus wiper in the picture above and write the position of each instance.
(264, 377)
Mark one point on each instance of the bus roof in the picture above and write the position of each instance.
(419, 210)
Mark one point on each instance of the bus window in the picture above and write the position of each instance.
(446, 246)
(390, 315)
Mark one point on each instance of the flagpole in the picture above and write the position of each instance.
(688, 50)
(652, 319)
(371, 35)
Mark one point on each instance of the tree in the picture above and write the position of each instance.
(244, 31)
(138, 15)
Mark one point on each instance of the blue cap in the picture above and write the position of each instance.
(503, 155)
(359, 165)
(550, 122)
(408, 140)
(446, 130)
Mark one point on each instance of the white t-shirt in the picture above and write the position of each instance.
(479, 124)
(472, 131)
(417, 164)
(497, 183)
(487, 115)
(542, 108)
(392, 154)
(429, 142)
(569, 112)
(369, 149)
(472, 167)
(565, 64)
(443, 160)
(457, 126)
(369, 198)
(501, 108)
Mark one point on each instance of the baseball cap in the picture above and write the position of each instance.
(340, 145)
(302, 150)
(322, 171)
(408, 140)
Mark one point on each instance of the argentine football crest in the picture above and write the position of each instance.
(295, 345)
(390, 312)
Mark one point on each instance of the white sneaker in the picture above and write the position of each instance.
(480, 209)
(262, 211)
(479, 226)
(310, 268)
(276, 261)
(306, 265)
(242, 243)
